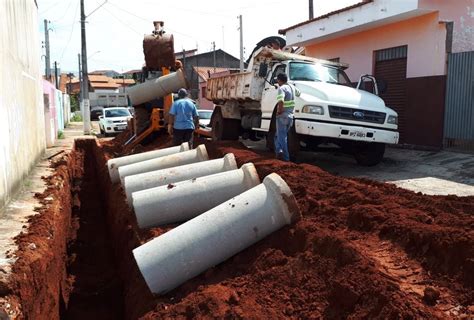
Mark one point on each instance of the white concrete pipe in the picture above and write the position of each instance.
(187, 199)
(163, 177)
(114, 164)
(216, 235)
(157, 88)
(172, 160)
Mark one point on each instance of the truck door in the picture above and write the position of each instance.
(269, 94)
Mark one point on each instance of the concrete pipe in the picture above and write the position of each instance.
(173, 160)
(188, 199)
(156, 88)
(216, 235)
(114, 164)
(163, 177)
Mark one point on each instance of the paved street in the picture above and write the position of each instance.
(433, 173)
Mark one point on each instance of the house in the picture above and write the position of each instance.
(422, 49)
(205, 73)
(222, 60)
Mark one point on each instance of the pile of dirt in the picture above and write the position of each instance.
(362, 249)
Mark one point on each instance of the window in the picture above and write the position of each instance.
(280, 69)
(317, 72)
(203, 92)
(117, 113)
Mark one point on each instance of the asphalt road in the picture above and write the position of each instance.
(433, 173)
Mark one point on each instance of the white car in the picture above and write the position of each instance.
(204, 117)
(114, 120)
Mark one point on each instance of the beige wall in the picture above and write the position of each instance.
(425, 37)
(22, 132)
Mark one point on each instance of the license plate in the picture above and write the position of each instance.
(121, 127)
(357, 134)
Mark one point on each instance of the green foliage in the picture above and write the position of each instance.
(61, 134)
(76, 118)
(74, 102)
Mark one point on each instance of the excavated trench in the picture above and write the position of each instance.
(362, 250)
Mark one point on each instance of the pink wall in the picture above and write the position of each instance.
(203, 102)
(424, 36)
(461, 12)
(50, 121)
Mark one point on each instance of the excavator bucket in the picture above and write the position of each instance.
(158, 49)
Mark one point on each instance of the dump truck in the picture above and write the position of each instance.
(329, 111)
(152, 97)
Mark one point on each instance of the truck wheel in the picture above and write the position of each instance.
(293, 139)
(369, 154)
(224, 129)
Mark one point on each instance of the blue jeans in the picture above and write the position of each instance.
(284, 122)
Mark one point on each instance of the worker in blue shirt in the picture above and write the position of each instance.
(183, 119)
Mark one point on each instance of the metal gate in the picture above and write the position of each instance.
(459, 111)
(391, 66)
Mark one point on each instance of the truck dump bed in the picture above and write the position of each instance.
(237, 86)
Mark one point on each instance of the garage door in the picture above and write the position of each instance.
(391, 66)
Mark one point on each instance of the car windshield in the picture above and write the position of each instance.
(205, 114)
(318, 72)
(116, 113)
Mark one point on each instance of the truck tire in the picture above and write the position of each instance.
(293, 139)
(224, 129)
(369, 154)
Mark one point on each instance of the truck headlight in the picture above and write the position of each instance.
(313, 109)
(392, 120)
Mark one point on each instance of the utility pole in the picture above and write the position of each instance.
(80, 84)
(85, 78)
(214, 54)
(47, 60)
(311, 11)
(56, 80)
(241, 44)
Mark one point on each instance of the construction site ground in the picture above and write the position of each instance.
(362, 249)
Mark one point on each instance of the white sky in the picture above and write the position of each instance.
(115, 31)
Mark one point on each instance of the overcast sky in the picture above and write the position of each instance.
(115, 31)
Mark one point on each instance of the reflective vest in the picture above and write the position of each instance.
(288, 103)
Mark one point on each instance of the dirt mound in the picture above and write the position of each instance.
(362, 249)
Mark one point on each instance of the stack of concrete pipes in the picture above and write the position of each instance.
(224, 209)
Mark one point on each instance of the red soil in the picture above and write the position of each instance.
(361, 250)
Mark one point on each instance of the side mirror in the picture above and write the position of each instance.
(263, 70)
(101, 117)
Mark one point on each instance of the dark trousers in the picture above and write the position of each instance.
(183, 135)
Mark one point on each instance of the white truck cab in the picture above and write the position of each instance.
(328, 110)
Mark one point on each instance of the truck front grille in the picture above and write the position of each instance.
(356, 114)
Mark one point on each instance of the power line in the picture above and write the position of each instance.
(64, 14)
(70, 34)
(123, 23)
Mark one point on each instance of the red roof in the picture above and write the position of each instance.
(327, 15)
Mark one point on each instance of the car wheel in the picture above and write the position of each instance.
(369, 153)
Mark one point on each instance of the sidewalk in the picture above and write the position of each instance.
(14, 216)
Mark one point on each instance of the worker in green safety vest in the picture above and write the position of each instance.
(284, 115)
